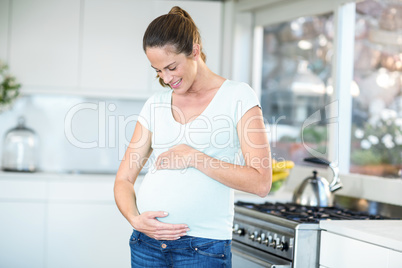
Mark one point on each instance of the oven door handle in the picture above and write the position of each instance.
(264, 259)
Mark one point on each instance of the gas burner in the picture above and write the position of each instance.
(308, 214)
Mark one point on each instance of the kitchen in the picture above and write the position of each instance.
(84, 78)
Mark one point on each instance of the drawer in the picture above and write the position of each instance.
(395, 259)
(81, 189)
(338, 251)
(17, 189)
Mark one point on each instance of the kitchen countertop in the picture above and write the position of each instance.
(384, 233)
(281, 195)
(51, 175)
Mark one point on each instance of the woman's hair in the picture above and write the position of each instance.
(176, 28)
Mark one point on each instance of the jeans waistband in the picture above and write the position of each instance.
(183, 242)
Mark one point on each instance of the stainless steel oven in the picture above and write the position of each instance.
(244, 256)
(282, 235)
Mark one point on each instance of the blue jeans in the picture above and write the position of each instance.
(188, 251)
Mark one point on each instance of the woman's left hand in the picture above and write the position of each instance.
(180, 156)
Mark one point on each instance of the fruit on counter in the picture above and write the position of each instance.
(280, 166)
(280, 171)
(276, 185)
(279, 176)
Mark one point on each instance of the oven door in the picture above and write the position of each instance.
(247, 256)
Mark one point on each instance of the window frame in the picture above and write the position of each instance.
(267, 12)
(342, 64)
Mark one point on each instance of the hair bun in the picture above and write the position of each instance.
(179, 11)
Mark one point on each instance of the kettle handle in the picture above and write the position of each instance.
(316, 160)
(336, 182)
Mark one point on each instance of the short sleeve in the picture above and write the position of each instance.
(246, 98)
(145, 115)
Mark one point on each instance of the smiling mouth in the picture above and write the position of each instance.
(176, 83)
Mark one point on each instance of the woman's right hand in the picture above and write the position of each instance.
(148, 224)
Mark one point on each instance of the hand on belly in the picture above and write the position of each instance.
(152, 227)
(180, 156)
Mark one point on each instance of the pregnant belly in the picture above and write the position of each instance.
(187, 195)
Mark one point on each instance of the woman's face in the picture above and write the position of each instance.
(176, 70)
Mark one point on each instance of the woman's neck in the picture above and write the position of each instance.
(205, 80)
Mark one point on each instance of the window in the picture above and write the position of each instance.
(376, 141)
(296, 84)
(298, 78)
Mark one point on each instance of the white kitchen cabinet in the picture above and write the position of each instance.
(93, 47)
(84, 225)
(4, 18)
(22, 234)
(361, 243)
(339, 251)
(113, 61)
(87, 235)
(44, 45)
(14, 188)
(53, 221)
(22, 223)
(395, 259)
(343, 252)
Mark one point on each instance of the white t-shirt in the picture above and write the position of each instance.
(188, 195)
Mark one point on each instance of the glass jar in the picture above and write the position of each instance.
(20, 149)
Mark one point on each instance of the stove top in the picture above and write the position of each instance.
(308, 214)
(287, 231)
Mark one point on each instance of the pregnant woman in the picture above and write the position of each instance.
(208, 137)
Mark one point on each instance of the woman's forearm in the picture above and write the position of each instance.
(125, 199)
(244, 178)
(254, 177)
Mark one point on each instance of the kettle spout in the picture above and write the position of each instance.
(336, 187)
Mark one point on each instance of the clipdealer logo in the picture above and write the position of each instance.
(112, 128)
(111, 131)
